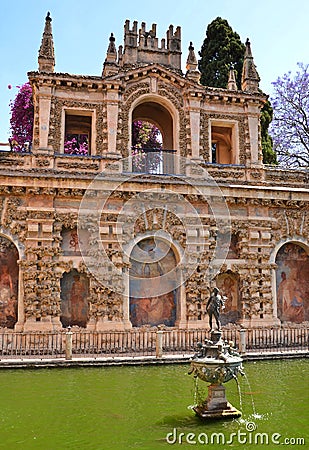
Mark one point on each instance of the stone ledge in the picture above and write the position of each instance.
(32, 363)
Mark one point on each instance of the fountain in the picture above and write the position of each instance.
(216, 362)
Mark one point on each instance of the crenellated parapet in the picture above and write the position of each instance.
(143, 47)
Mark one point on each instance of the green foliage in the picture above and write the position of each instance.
(269, 155)
(221, 50)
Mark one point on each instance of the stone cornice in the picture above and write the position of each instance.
(208, 94)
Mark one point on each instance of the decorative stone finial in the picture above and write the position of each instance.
(191, 65)
(250, 77)
(110, 66)
(231, 84)
(112, 46)
(191, 60)
(46, 53)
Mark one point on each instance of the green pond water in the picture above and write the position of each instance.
(146, 407)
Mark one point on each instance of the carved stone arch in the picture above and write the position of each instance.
(176, 98)
(12, 238)
(172, 102)
(298, 240)
(157, 218)
(124, 119)
(160, 111)
(290, 280)
(163, 236)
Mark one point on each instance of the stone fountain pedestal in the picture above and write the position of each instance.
(216, 405)
(216, 362)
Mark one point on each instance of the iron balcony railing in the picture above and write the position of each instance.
(155, 161)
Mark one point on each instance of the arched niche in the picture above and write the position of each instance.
(228, 284)
(73, 240)
(8, 283)
(154, 291)
(163, 114)
(74, 299)
(156, 113)
(292, 283)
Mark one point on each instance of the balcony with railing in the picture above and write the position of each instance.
(154, 161)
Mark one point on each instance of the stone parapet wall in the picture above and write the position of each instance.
(44, 164)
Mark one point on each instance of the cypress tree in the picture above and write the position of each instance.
(222, 50)
(269, 155)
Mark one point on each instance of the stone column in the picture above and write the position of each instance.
(112, 106)
(44, 99)
(21, 311)
(254, 137)
(194, 112)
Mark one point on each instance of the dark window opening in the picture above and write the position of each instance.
(214, 152)
(77, 138)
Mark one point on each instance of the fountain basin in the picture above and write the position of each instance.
(216, 371)
(216, 362)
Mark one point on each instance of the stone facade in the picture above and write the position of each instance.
(89, 241)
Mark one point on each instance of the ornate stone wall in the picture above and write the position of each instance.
(244, 143)
(57, 106)
(42, 195)
(35, 218)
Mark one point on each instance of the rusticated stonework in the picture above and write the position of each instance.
(57, 106)
(244, 142)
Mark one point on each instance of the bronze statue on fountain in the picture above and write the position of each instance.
(216, 362)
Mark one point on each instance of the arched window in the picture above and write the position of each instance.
(152, 139)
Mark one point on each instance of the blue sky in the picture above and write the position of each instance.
(277, 29)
